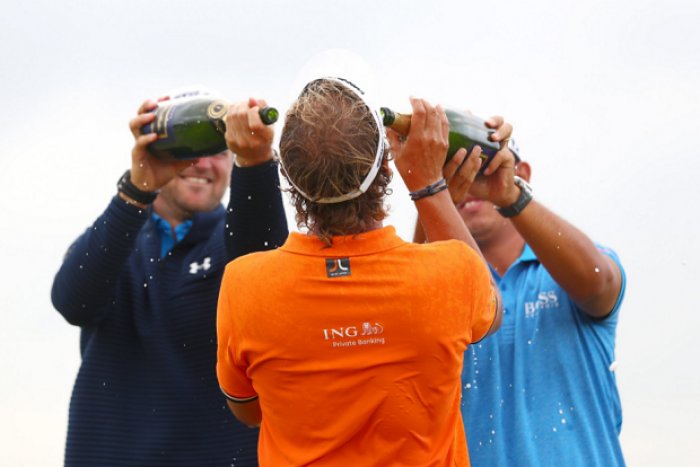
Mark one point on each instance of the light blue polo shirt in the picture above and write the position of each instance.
(541, 391)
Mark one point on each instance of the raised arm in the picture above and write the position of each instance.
(255, 218)
(84, 286)
(592, 279)
(419, 160)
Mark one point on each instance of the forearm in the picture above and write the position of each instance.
(439, 220)
(418, 232)
(248, 413)
(589, 277)
(255, 218)
(86, 280)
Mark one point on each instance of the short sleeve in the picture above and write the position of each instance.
(483, 297)
(230, 370)
(611, 319)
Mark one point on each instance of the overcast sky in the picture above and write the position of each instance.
(603, 96)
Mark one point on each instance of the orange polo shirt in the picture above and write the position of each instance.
(355, 351)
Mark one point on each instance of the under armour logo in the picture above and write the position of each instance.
(204, 266)
(337, 267)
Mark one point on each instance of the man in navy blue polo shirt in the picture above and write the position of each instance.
(542, 390)
(142, 283)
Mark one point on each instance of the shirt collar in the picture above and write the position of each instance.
(364, 243)
(527, 255)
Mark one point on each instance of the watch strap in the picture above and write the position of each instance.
(523, 199)
(126, 186)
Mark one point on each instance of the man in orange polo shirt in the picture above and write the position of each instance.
(345, 344)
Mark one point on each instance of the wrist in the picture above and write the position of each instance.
(510, 197)
(129, 200)
(253, 160)
(130, 192)
(523, 199)
(429, 190)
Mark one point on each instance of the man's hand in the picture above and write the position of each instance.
(497, 183)
(246, 134)
(148, 172)
(420, 157)
(461, 171)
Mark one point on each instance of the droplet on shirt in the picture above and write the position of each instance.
(250, 197)
(493, 432)
(145, 284)
(529, 342)
(554, 429)
(468, 386)
(563, 421)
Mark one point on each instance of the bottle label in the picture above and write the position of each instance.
(160, 124)
(190, 108)
(216, 112)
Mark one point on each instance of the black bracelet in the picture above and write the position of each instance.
(132, 191)
(429, 190)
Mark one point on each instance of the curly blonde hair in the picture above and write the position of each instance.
(327, 148)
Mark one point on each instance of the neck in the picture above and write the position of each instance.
(503, 249)
(171, 213)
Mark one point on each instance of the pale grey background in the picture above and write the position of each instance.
(603, 96)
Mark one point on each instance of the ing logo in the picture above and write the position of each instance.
(342, 332)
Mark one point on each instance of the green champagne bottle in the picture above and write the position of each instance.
(466, 131)
(193, 126)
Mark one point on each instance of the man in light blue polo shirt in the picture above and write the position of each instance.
(542, 390)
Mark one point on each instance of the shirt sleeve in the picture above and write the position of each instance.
(482, 297)
(231, 369)
(611, 319)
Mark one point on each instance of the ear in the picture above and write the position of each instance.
(385, 162)
(523, 170)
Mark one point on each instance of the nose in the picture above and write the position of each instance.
(201, 163)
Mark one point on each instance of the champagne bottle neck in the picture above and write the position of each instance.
(400, 123)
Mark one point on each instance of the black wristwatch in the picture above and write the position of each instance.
(132, 191)
(522, 201)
